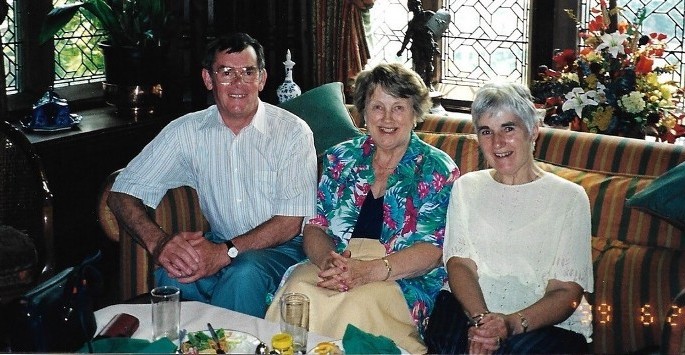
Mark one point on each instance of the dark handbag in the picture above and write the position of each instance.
(447, 329)
(57, 315)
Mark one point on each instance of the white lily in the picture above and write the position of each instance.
(577, 99)
(613, 42)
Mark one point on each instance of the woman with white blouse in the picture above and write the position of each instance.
(517, 244)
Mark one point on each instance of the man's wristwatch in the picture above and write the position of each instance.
(232, 250)
(524, 322)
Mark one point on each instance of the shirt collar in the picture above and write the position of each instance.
(258, 121)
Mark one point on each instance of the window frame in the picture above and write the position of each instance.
(35, 74)
(546, 21)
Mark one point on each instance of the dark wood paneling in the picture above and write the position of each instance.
(278, 25)
(76, 163)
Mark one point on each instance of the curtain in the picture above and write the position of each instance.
(341, 50)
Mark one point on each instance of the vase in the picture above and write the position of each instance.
(134, 79)
(289, 89)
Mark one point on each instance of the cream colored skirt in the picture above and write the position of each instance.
(378, 308)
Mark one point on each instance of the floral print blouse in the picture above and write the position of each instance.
(414, 206)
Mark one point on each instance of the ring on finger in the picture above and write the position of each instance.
(499, 341)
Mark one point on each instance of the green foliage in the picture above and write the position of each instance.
(127, 22)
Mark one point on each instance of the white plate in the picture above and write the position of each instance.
(340, 345)
(248, 342)
(336, 342)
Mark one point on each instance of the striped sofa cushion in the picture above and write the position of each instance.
(179, 210)
(450, 123)
(463, 148)
(610, 218)
(609, 154)
(634, 289)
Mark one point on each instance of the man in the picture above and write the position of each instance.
(254, 168)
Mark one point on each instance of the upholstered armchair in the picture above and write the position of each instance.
(179, 210)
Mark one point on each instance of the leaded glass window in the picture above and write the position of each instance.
(486, 40)
(10, 44)
(78, 59)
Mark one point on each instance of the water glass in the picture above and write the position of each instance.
(295, 319)
(166, 312)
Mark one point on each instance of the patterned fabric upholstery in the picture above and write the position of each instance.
(179, 210)
(638, 262)
(463, 148)
(611, 219)
(634, 289)
(608, 154)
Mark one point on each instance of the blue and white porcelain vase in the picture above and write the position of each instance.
(288, 89)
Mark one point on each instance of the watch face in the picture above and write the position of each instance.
(232, 252)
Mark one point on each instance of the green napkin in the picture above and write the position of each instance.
(357, 341)
(128, 345)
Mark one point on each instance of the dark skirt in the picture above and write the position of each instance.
(447, 333)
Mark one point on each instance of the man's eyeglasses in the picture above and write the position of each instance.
(227, 75)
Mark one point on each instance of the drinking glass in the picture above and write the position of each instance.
(295, 319)
(166, 312)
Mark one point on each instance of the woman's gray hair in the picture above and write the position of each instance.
(396, 80)
(496, 97)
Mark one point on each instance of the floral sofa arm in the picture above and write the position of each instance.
(179, 210)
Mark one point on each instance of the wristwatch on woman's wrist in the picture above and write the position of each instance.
(524, 322)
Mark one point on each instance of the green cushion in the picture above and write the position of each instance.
(664, 197)
(323, 108)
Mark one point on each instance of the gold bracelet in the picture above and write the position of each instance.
(387, 266)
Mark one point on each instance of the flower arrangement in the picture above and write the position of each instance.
(612, 86)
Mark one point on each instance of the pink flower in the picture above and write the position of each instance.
(424, 189)
(386, 217)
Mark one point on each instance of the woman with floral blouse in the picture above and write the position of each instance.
(375, 245)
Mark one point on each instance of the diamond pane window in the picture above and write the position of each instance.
(10, 44)
(489, 42)
(78, 59)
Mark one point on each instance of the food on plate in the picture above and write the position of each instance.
(327, 348)
(201, 343)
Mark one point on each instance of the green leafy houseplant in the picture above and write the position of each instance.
(141, 23)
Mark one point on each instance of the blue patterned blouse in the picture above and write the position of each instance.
(414, 206)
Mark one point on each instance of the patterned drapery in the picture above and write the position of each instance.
(341, 51)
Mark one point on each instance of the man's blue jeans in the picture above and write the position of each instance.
(243, 285)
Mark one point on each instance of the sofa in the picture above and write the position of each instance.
(638, 255)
